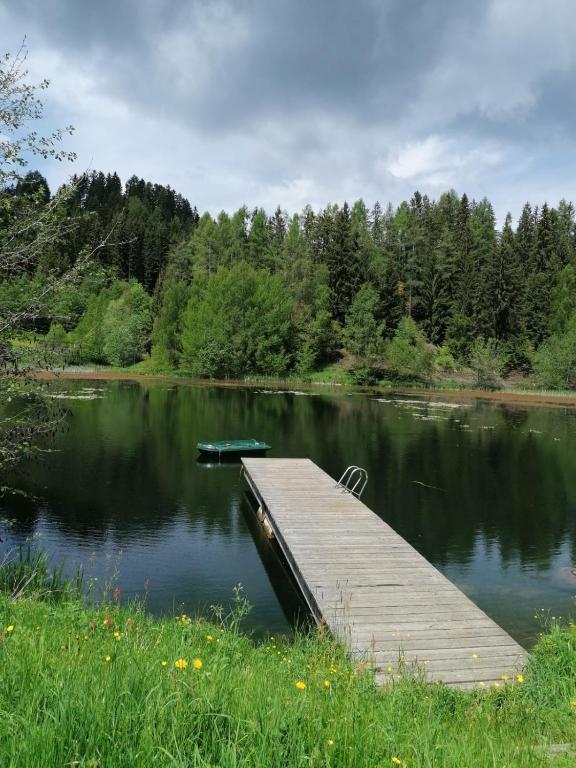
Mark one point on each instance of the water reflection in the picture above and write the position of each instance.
(486, 492)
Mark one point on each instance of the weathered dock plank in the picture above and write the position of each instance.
(381, 597)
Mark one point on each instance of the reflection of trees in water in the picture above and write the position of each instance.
(506, 486)
(511, 416)
(128, 464)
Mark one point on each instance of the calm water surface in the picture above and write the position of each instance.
(487, 492)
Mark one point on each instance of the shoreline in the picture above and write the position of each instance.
(500, 396)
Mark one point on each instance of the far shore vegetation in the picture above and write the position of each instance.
(428, 293)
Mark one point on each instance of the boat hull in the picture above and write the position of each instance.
(233, 448)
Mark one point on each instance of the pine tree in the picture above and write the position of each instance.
(258, 246)
(485, 267)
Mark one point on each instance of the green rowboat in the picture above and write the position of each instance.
(237, 447)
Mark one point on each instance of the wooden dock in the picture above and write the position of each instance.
(375, 592)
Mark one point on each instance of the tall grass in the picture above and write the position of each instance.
(26, 571)
(113, 687)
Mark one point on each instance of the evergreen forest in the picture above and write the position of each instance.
(429, 288)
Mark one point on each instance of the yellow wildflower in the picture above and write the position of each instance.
(396, 761)
(301, 685)
(209, 638)
(85, 637)
(573, 702)
(330, 742)
(504, 677)
(474, 656)
(333, 670)
(389, 670)
(107, 658)
(62, 647)
(106, 621)
(180, 663)
(197, 663)
(164, 663)
(496, 685)
(117, 635)
(519, 678)
(10, 628)
(327, 683)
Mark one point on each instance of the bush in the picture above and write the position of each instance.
(407, 356)
(519, 354)
(555, 361)
(487, 360)
(366, 377)
(126, 326)
(87, 339)
(237, 322)
(444, 360)
(115, 327)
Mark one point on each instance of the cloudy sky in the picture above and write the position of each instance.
(289, 102)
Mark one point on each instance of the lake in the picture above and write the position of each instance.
(486, 491)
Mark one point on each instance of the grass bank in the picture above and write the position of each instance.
(113, 686)
(321, 381)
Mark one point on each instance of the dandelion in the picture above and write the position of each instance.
(106, 621)
(330, 742)
(197, 663)
(504, 677)
(180, 663)
(333, 670)
(300, 685)
(209, 638)
(164, 663)
(396, 761)
(117, 635)
(107, 658)
(327, 683)
(85, 637)
(573, 703)
(496, 685)
(519, 678)
(474, 656)
(389, 670)
(10, 628)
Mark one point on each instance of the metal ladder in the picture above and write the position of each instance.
(353, 480)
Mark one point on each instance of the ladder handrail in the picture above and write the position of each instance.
(345, 482)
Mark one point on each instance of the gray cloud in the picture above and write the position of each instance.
(270, 102)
